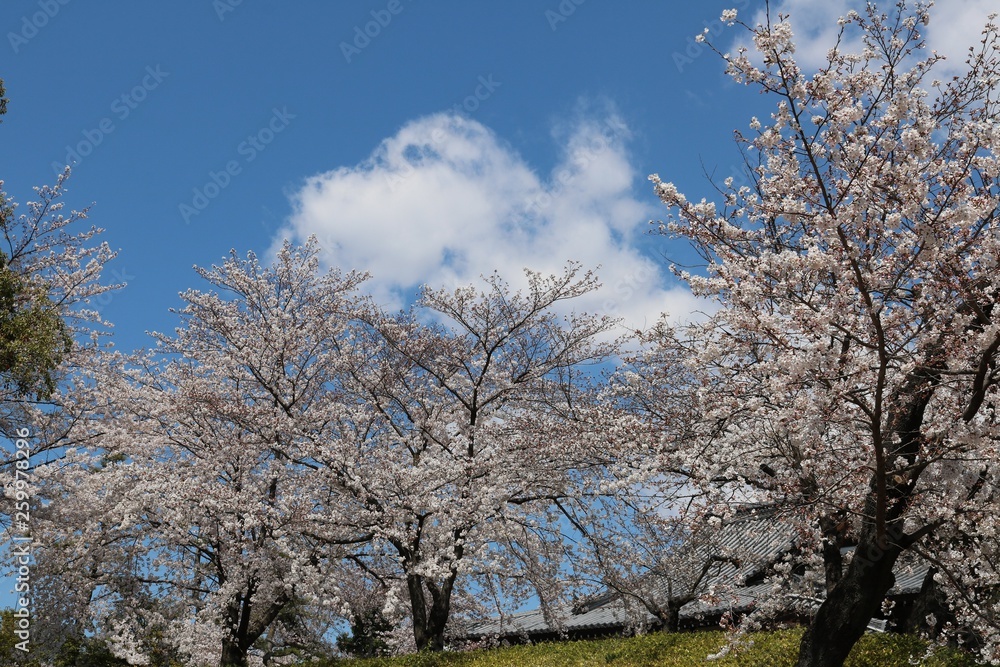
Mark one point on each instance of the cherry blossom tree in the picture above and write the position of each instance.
(850, 373)
(656, 540)
(186, 504)
(291, 438)
(49, 271)
(474, 397)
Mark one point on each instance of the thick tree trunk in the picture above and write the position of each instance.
(232, 654)
(857, 596)
(670, 616)
(235, 648)
(853, 601)
(429, 621)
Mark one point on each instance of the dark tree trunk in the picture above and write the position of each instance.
(832, 528)
(248, 630)
(232, 654)
(857, 597)
(930, 600)
(842, 618)
(670, 616)
(429, 621)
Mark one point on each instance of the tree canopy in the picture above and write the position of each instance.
(850, 372)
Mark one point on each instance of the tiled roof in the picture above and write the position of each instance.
(909, 578)
(756, 538)
(751, 541)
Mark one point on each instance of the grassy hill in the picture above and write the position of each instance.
(777, 649)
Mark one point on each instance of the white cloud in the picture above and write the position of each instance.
(444, 201)
(955, 26)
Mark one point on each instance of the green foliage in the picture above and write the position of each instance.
(84, 652)
(75, 652)
(9, 654)
(890, 649)
(690, 649)
(365, 640)
(33, 336)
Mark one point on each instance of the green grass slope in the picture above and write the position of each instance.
(776, 649)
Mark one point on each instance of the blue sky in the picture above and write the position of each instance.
(427, 142)
(151, 99)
